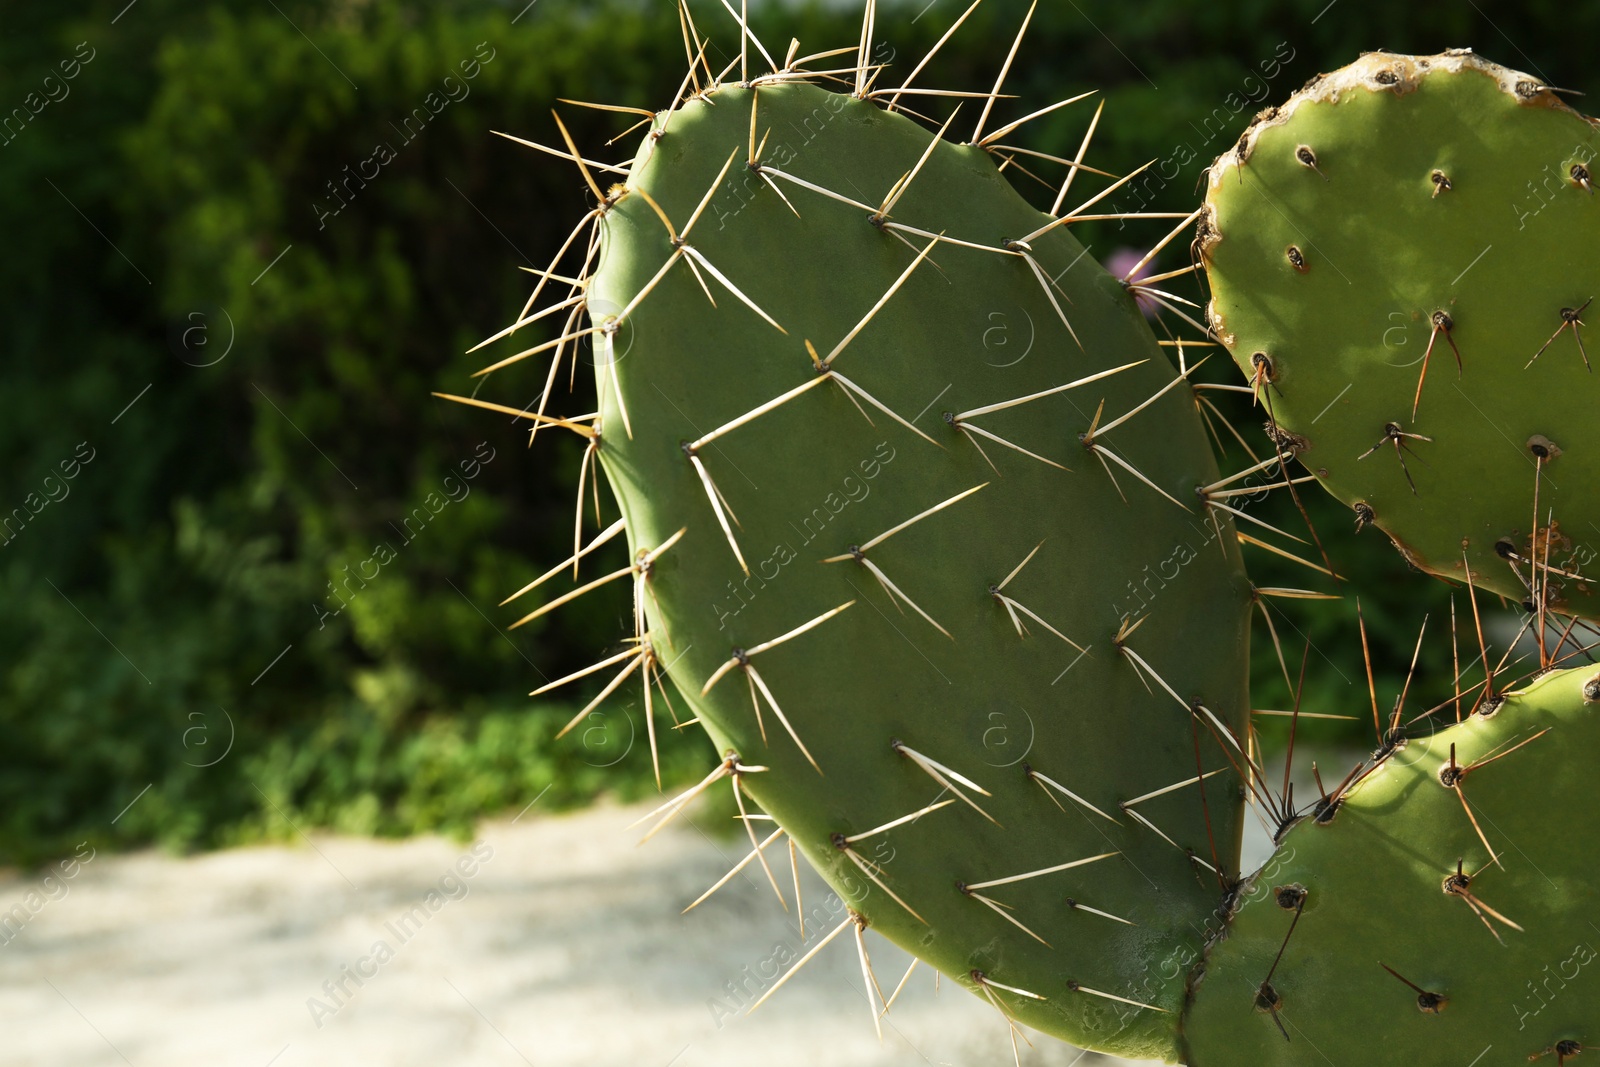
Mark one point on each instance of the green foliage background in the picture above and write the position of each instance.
(141, 212)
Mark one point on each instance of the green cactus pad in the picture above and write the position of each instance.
(1366, 890)
(875, 691)
(1406, 201)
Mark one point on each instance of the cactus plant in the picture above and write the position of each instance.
(1401, 258)
(1441, 911)
(886, 566)
(891, 565)
(1399, 209)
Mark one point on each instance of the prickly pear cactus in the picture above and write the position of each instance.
(1442, 910)
(972, 667)
(926, 534)
(894, 456)
(1403, 258)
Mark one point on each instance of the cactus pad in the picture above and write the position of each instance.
(926, 676)
(1402, 258)
(930, 593)
(1410, 943)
